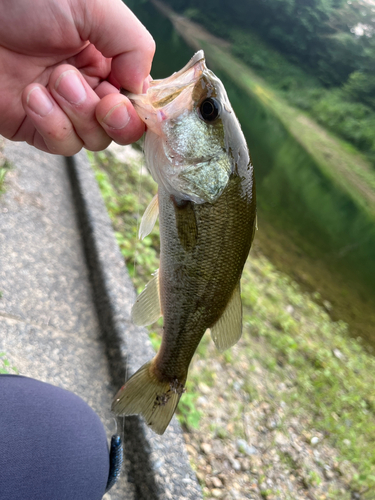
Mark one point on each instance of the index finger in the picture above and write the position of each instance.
(114, 30)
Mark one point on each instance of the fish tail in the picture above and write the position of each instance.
(144, 394)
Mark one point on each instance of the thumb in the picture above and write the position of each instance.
(117, 33)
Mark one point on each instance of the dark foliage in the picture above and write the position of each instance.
(329, 38)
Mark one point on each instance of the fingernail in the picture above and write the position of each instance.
(39, 102)
(118, 117)
(70, 87)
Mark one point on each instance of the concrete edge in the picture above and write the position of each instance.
(158, 465)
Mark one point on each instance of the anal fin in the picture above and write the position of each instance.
(146, 309)
(227, 330)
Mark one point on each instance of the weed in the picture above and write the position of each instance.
(188, 414)
(331, 388)
(126, 193)
(5, 366)
(155, 339)
(313, 478)
(4, 168)
(266, 493)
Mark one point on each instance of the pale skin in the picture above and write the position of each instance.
(61, 65)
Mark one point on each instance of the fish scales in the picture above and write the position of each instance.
(196, 152)
(191, 274)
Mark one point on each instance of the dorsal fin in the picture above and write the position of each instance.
(146, 309)
(149, 218)
(228, 328)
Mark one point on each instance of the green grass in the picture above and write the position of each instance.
(4, 168)
(127, 193)
(328, 375)
(5, 366)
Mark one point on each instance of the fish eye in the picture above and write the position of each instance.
(209, 109)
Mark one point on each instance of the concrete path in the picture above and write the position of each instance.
(64, 311)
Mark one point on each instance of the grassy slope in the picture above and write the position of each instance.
(323, 373)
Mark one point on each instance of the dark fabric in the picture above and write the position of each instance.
(52, 444)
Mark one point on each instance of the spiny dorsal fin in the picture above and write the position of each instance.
(228, 329)
(143, 394)
(146, 309)
(149, 218)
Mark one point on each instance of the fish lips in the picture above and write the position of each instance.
(168, 98)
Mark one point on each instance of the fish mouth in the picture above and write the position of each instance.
(185, 76)
(171, 96)
(162, 92)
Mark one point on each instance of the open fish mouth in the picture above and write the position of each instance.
(161, 92)
(169, 97)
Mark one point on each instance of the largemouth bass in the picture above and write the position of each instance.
(196, 152)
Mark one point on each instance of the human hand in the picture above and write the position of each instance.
(61, 65)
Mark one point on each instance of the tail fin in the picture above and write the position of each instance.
(143, 394)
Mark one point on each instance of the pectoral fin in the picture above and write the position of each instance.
(228, 329)
(149, 218)
(186, 225)
(146, 309)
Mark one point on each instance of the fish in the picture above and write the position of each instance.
(196, 152)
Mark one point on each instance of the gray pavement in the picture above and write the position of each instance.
(65, 309)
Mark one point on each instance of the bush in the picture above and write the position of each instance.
(353, 121)
(339, 110)
(361, 87)
(268, 62)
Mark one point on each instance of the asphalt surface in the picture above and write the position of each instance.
(65, 309)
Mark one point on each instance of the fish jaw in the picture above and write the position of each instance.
(152, 107)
